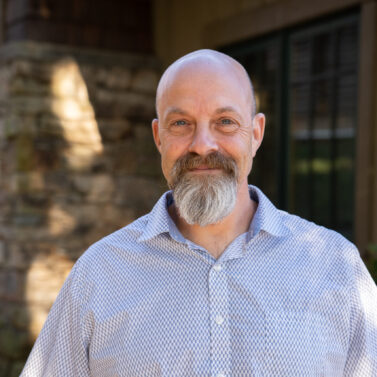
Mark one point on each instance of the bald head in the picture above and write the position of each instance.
(206, 63)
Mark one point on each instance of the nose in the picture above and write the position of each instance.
(203, 142)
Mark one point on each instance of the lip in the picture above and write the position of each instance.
(205, 169)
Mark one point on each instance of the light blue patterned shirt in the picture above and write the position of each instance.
(287, 298)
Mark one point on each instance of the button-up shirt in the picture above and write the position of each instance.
(287, 298)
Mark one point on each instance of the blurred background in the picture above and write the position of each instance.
(77, 159)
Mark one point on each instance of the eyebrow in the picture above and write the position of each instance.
(176, 110)
(226, 109)
(220, 110)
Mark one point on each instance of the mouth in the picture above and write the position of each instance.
(204, 169)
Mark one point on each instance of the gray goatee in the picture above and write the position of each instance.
(204, 199)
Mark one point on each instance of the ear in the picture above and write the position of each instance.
(156, 135)
(259, 122)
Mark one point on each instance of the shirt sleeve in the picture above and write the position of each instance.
(362, 351)
(61, 348)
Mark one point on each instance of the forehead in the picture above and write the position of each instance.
(204, 84)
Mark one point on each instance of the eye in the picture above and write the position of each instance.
(226, 125)
(226, 121)
(180, 127)
(179, 123)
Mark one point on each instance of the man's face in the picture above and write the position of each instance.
(205, 110)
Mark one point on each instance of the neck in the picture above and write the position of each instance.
(216, 237)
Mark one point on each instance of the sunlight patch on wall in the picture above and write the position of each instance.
(75, 114)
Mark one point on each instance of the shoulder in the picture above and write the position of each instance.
(124, 248)
(322, 246)
(113, 249)
(310, 232)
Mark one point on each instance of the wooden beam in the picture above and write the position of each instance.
(365, 176)
(268, 18)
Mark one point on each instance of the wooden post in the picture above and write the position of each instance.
(365, 195)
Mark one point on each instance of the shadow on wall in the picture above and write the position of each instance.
(77, 162)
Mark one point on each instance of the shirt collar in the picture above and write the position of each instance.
(158, 219)
(267, 218)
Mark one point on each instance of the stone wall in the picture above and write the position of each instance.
(77, 162)
(122, 25)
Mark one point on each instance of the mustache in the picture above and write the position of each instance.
(214, 160)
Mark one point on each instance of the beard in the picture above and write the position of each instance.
(204, 199)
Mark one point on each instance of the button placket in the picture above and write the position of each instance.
(217, 267)
(220, 336)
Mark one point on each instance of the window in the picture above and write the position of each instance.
(305, 81)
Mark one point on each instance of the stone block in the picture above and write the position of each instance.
(26, 234)
(50, 126)
(89, 72)
(6, 211)
(16, 257)
(60, 220)
(27, 214)
(45, 278)
(48, 153)
(4, 83)
(37, 317)
(113, 78)
(20, 317)
(114, 129)
(83, 131)
(135, 156)
(12, 285)
(5, 366)
(38, 70)
(25, 154)
(14, 344)
(72, 109)
(67, 81)
(138, 193)
(131, 105)
(58, 182)
(26, 182)
(17, 367)
(145, 80)
(15, 125)
(28, 86)
(81, 157)
(31, 105)
(2, 252)
(95, 188)
(4, 315)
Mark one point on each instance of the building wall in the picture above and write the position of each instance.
(78, 161)
(77, 157)
(179, 26)
(117, 25)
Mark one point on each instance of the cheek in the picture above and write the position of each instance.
(247, 151)
(170, 152)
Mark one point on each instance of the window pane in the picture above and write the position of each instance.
(322, 53)
(306, 83)
(262, 64)
(323, 87)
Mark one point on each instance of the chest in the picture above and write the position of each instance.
(214, 321)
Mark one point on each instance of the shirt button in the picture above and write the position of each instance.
(219, 319)
(217, 267)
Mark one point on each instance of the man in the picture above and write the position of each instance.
(215, 281)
